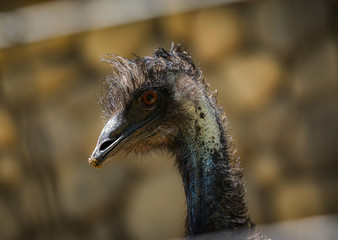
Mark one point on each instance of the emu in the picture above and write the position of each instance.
(163, 102)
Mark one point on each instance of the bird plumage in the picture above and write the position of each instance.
(185, 120)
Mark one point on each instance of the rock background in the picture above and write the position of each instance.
(275, 65)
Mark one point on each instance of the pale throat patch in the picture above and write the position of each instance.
(204, 126)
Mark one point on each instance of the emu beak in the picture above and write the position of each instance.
(119, 129)
(107, 145)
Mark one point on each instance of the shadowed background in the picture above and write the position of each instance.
(274, 64)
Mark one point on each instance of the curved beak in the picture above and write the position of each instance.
(120, 129)
(112, 134)
(115, 133)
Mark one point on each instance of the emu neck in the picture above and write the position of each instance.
(213, 185)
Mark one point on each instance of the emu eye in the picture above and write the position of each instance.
(149, 98)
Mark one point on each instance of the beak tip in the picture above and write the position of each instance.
(94, 162)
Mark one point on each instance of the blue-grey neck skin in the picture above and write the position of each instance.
(213, 187)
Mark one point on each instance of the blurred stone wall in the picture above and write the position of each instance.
(274, 64)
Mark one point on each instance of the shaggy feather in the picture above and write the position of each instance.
(192, 126)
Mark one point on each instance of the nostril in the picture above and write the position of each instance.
(105, 145)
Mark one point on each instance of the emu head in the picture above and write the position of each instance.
(147, 102)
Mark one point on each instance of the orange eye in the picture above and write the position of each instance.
(149, 98)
